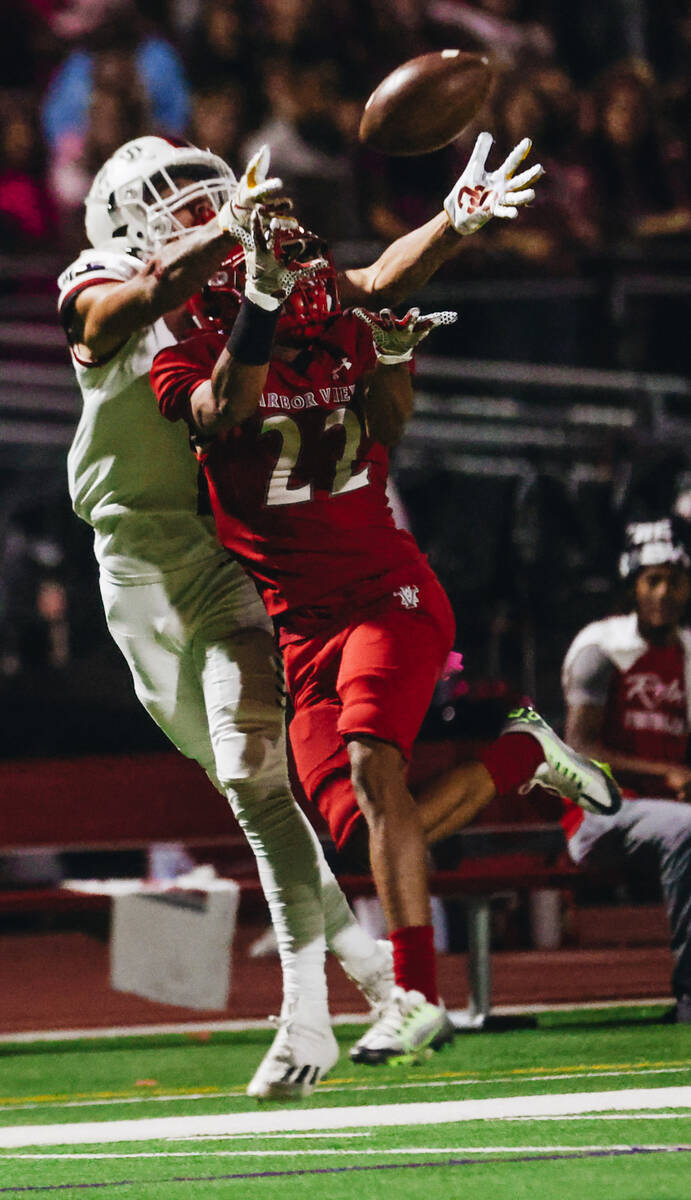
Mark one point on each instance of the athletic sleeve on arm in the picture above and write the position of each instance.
(587, 676)
(175, 373)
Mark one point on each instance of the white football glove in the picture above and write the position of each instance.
(271, 271)
(480, 194)
(395, 338)
(253, 188)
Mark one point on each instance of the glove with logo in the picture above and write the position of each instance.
(395, 338)
(480, 194)
(272, 266)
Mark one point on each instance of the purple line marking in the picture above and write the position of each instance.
(446, 1162)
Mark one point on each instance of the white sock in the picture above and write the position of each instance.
(304, 991)
(354, 944)
(287, 862)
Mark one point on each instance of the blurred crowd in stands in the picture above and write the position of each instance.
(602, 87)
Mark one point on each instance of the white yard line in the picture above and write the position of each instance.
(262, 1121)
(625, 1116)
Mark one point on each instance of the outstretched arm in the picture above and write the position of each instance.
(476, 197)
(388, 404)
(105, 315)
(404, 267)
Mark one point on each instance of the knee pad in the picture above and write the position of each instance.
(251, 762)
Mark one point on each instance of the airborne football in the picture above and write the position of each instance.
(426, 102)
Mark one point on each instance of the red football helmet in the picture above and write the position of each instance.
(312, 301)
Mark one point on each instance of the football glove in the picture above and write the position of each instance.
(480, 194)
(271, 266)
(253, 188)
(395, 338)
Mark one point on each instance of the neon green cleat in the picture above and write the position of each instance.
(408, 1028)
(588, 783)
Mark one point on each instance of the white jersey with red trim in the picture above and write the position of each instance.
(647, 673)
(644, 691)
(132, 476)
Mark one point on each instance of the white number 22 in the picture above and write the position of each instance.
(278, 491)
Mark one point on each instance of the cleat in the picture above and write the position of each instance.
(374, 977)
(565, 771)
(407, 1030)
(299, 1056)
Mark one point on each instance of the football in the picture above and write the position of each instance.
(425, 103)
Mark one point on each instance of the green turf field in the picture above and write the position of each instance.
(588, 1105)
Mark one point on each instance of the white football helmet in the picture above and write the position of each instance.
(125, 200)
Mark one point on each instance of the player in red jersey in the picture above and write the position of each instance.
(292, 417)
(627, 685)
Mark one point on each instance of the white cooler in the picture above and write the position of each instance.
(173, 945)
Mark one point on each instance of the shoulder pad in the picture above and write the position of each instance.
(97, 266)
(617, 637)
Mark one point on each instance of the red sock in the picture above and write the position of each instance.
(512, 760)
(414, 962)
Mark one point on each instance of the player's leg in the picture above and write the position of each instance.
(451, 800)
(241, 678)
(665, 827)
(397, 842)
(150, 633)
(528, 753)
(184, 681)
(649, 834)
(323, 767)
(385, 691)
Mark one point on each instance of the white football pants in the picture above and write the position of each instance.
(201, 652)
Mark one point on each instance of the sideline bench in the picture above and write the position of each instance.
(126, 802)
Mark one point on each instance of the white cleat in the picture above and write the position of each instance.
(586, 782)
(299, 1056)
(408, 1028)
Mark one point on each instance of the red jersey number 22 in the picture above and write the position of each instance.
(278, 491)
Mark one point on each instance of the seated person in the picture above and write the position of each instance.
(627, 686)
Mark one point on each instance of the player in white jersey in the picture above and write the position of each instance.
(161, 218)
(186, 618)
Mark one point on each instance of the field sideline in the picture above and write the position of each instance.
(592, 1103)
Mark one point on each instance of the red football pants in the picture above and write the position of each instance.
(374, 677)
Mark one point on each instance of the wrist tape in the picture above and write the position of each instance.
(251, 339)
(391, 360)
